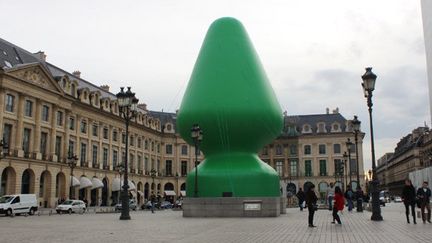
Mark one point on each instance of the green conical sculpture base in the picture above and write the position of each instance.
(231, 99)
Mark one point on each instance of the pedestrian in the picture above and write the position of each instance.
(301, 198)
(349, 197)
(330, 195)
(359, 199)
(423, 195)
(409, 199)
(311, 200)
(152, 200)
(338, 204)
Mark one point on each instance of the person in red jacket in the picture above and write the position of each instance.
(338, 204)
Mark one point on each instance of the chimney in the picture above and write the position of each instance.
(336, 111)
(327, 111)
(142, 106)
(105, 87)
(77, 74)
(40, 55)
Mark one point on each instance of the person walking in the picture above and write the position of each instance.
(330, 195)
(409, 199)
(311, 200)
(424, 194)
(152, 201)
(301, 197)
(349, 197)
(338, 204)
(359, 199)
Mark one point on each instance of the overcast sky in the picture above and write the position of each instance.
(314, 52)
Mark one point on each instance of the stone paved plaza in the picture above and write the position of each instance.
(170, 226)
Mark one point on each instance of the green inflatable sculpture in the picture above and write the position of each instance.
(232, 101)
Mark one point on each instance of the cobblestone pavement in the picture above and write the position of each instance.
(170, 226)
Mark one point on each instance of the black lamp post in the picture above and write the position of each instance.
(368, 84)
(196, 135)
(72, 162)
(153, 175)
(128, 109)
(120, 169)
(345, 156)
(356, 127)
(349, 145)
(3, 149)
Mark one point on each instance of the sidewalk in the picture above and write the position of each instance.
(170, 226)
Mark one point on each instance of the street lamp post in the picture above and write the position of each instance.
(196, 135)
(368, 85)
(356, 128)
(153, 175)
(72, 162)
(120, 169)
(128, 109)
(349, 144)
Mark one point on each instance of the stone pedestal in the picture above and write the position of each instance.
(283, 205)
(232, 207)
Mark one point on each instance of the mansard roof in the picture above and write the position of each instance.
(299, 121)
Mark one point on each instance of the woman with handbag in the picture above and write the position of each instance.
(311, 200)
(338, 204)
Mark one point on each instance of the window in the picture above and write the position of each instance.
(95, 154)
(71, 123)
(321, 127)
(278, 149)
(95, 130)
(105, 157)
(184, 149)
(45, 113)
(115, 158)
(59, 118)
(279, 168)
(308, 168)
(83, 126)
(26, 140)
(114, 136)
(184, 168)
(131, 161)
(73, 90)
(158, 147)
(353, 167)
(306, 129)
(265, 151)
(336, 148)
(335, 127)
(146, 144)
(71, 148)
(28, 108)
(168, 148)
(146, 164)
(152, 146)
(293, 168)
(139, 142)
(7, 134)
(338, 167)
(293, 149)
(58, 144)
(105, 133)
(43, 142)
(83, 156)
(168, 167)
(10, 100)
(307, 150)
(123, 138)
(322, 149)
(139, 158)
(131, 140)
(323, 167)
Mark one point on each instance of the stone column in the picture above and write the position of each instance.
(90, 143)
(37, 133)
(53, 133)
(67, 134)
(20, 126)
(2, 108)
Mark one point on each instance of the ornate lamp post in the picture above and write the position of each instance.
(349, 145)
(356, 127)
(120, 169)
(128, 109)
(3, 149)
(368, 84)
(196, 135)
(72, 162)
(153, 175)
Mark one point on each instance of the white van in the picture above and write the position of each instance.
(16, 204)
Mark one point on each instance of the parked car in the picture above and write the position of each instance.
(166, 205)
(71, 206)
(17, 204)
(132, 205)
(147, 205)
(382, 198)
(397, 199)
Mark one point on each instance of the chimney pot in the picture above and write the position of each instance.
(77, 74)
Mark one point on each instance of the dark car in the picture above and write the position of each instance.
(147, 205)
(132, 205)
(166, 205)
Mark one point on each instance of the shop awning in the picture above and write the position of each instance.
(141, 193)
(85, 182)
(183, 193)
(97, 183)
(170, 193)
(75, 181)
(117, 185)
(133, 194)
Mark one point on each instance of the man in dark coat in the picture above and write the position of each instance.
(301, 197)
(424, 194)
(311, 200)
(409, 199)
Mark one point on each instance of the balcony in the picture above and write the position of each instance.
(132, 170)
(106, 167)
(140, 172)
(96, 165)
(84, 164)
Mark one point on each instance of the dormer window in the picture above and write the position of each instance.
(336, 127)
(321, 127)
(306, 129)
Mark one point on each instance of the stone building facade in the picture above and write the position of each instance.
(48, 114)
